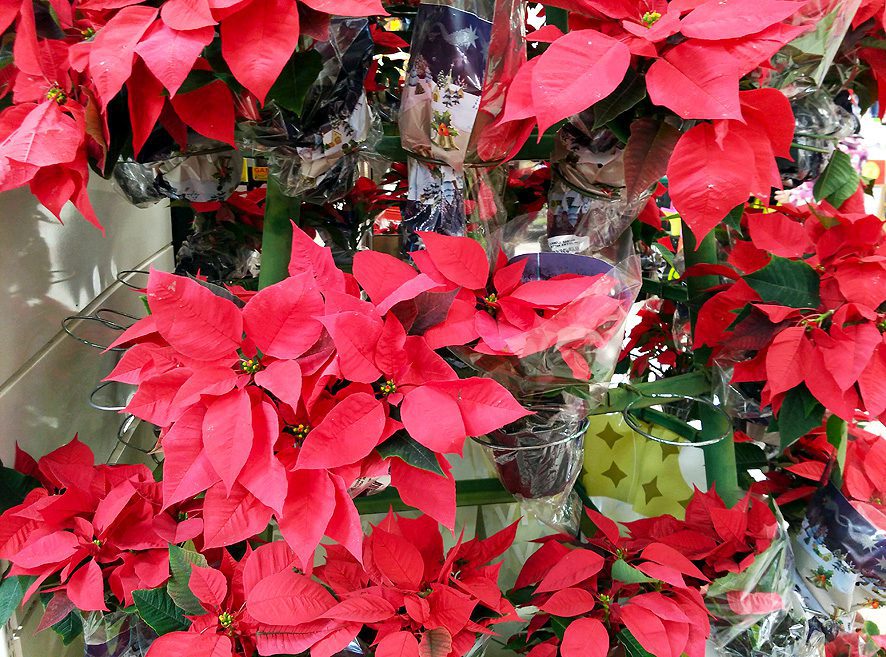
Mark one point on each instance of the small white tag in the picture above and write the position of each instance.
(569, 243)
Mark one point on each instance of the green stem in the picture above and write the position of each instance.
(720, 465)
(470, 492)
(276, 241)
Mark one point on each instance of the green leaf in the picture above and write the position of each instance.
(69, 628)
(626, 95)
(159, 611)
(196, 80)
(838, 181)
(749, 457)
(624, 572)
(559, 625)
(632, 646)
(295, 79)
(180, 560)
(733, 219)
(871, 629)
(837, 432)
(12, 590)
(413, 453)
(800, 413)
(784, 282)
(14, 486)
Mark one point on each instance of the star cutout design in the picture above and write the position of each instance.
(669, 450)
(615, 474)
(651, 490)
(609, 435)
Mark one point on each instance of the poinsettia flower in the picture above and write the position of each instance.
(92, 527)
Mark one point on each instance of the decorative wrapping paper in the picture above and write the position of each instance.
(841, 558)
(629, 476)
(207, 171)
(461, 56)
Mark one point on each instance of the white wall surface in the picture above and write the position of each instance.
(50, 271)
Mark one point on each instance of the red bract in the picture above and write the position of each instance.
(91, 525)
(62, 85)
(826, 335)
(304, 392)
(497, 313)
(449, 599)
(608, 585)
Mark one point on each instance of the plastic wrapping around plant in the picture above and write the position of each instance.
(218, 251)
(841, 558)
(450, 202)
(588, 208)
(810, 55)
(538, 458)
(578, 347)
(740, 400)
(462, 57)
(116, 634)
(820, 124)
(315, 154)
(757, 610)
(205, 171)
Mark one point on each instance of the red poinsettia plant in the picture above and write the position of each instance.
(802, 313)
(91, 534)
(644, 587)
(306, 391)
(405, 595)
(82, 70)
(679, 61)
(811, 462)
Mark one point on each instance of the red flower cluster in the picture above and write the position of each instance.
(405, 596)
(646, 585)
(805, 303)
(91, 526)
(306, 392)
(692, 56)
(67, 74)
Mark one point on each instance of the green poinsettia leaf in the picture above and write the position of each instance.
(159, 611)
(838, 181)
(784, 282)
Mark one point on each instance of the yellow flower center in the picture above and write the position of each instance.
(250, 365)
(55, 93)
(88, 33)
(650, 18)
(299, 431)
(225, 620)
(388, 387)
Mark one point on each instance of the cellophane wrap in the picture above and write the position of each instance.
(588, 208)
(577, 349)
(757, 612)
(443, 200)
(538, 458)
(205, 171)
(219, 251)
(315, 155)
(116, 634)
(841, 558)
(820, 124)
(463, 55)
(811, 54)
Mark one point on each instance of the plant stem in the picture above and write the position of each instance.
(720, 465)
(469, 492)
(276, 240)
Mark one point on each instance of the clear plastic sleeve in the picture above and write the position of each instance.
(315, 155)
(811, 54)
(588, 208)
(218, 251)
(538, 458)
(578, 346)
(206, 171)
(757, 611)
(444, 200)
(462, 57)
(116, 634)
